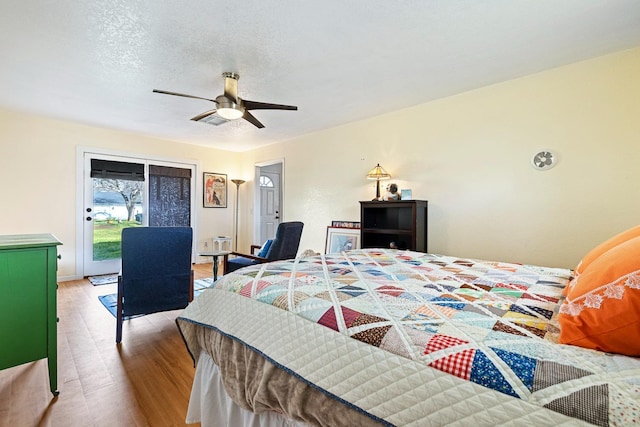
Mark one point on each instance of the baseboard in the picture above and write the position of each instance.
(68, 278)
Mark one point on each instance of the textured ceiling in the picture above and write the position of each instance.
(96, 62)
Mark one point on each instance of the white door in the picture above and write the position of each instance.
(270, 215)
(113, 199)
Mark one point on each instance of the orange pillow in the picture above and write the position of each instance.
(605, 246)
(602, 309)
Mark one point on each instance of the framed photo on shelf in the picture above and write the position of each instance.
(405, 194)
(345, 224)
(341, 239)
(214, 190)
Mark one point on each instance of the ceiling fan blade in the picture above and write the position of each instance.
(182, 94)
(254, 105)
(203, 115)
(251, 119)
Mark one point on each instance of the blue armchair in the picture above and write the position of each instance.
(284, 246)
(156, 272)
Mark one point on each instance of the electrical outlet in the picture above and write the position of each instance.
(206, 244)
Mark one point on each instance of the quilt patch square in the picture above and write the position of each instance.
(458, 364)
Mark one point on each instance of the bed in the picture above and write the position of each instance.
(398, 338)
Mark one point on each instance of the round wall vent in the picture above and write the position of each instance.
(544, 160)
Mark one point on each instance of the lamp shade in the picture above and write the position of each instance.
(378, 173)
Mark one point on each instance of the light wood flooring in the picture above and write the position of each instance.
(145, 381)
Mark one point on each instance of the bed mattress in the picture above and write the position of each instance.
(407, 338)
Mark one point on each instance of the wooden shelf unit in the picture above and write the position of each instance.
(402, 222)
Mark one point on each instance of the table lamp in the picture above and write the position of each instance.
(378, 173)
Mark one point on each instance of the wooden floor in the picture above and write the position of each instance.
(145, 381)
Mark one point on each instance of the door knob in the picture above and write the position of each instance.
(88, 218)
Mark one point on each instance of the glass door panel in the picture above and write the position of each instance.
(117, 204)
(113, 200)
(169, 196)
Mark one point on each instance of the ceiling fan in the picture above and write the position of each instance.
(229, 105)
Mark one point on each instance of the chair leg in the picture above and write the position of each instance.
(191, 288)
(119, 316)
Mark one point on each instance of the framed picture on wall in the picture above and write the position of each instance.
(214, 190)
(341, 239)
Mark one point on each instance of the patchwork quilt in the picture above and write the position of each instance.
(492, 324)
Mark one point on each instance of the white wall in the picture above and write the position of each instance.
(38, 175)
(469, 156)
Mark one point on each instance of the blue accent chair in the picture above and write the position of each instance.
(284, 246)
(156, 272)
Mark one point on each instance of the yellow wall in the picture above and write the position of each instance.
(469, 156)
(38, 175)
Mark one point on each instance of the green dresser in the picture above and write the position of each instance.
(28, 319)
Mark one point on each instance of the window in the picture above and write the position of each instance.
(265, 181)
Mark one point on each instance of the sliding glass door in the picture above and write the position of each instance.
(125, 192)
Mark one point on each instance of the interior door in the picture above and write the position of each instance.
(270, 214)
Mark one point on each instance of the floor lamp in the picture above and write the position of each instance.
(237, 182)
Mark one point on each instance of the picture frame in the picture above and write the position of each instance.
(214, 190)
(345, 224)
(405, 194)
(341, 239)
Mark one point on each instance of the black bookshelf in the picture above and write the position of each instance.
(401, 223)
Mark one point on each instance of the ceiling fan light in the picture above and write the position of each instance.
(230, 113)
(228, 109)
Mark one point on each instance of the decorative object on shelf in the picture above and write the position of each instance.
(341, 239)
(345, 224)
(215, 190)
(237, 182)
(544, 160)
(378, 173)
(405, 194)
(392, 193)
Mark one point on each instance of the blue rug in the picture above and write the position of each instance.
(110, 301)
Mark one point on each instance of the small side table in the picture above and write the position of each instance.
(215, 255)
